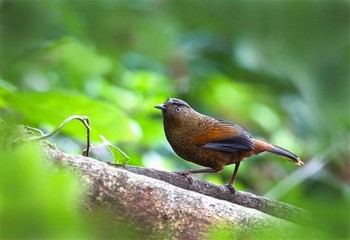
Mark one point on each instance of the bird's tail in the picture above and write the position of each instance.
(261, 146)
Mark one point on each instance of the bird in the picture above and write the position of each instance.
(211, 142)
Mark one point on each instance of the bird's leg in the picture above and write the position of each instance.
(187, 173)
(232, 182)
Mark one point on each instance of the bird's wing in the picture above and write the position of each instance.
(224, 136)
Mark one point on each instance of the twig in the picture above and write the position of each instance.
(83, 119)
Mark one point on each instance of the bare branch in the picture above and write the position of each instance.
(146, 197)
(246, 199)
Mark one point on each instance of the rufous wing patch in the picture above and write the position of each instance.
(224, 137)
(215, 133)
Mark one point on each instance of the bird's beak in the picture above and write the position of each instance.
(160, 106)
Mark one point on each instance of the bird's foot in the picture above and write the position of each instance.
(231, 188)
(186, 174)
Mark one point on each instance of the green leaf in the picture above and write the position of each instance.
(81, 59)
(53, 107)
(119, 157)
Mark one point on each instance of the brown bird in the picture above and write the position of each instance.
(211, 142)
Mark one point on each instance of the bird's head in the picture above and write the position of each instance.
(176, 110)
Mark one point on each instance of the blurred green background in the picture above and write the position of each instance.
(280, 69)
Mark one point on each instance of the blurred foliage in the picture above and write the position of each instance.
(223, 231)
(278, 68)
(53, 196)
(41, 201)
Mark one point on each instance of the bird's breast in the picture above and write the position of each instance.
(184, 146)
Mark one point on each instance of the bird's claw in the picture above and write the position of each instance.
(231, 188)
(186, 174)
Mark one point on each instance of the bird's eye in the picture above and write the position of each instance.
(178, 109)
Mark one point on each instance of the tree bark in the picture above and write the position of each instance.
(246, 199)
(166, 204)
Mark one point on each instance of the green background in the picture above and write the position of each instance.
(280, 69)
